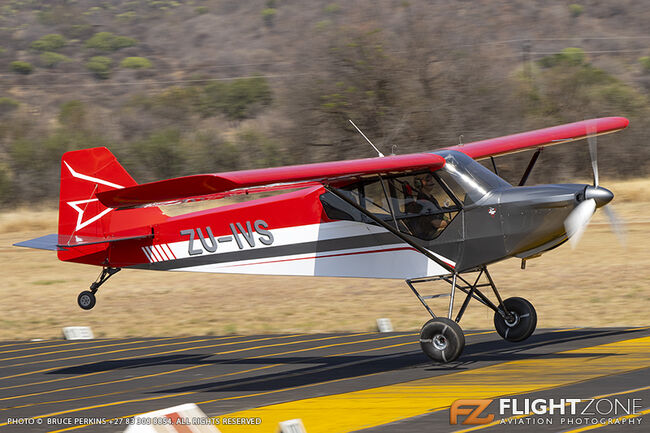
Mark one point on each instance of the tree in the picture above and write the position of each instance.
(21, 67)
(51, 42)
(135, 63)
(107, 41)
(100, 66)
(50, 59)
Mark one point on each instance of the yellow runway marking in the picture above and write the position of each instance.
(498, 422)
(377, 406)
(146, 355)
(638, 329)
(69, 343)
(290, 388)
(179, 370)
(76, 349)
(595, 426)
(115, 351)
(567, 330)
(265, 392)
(195, 392)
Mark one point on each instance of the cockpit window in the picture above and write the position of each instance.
(468, 179)
(417, 204)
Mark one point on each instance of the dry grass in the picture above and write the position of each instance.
(598, 284)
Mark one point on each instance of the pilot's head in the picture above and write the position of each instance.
(424, 182)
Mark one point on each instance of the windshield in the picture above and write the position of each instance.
(468, 179)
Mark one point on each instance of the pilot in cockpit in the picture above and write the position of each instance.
(424, 203)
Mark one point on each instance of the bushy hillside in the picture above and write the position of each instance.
(178, 88)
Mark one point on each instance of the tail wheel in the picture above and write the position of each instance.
(522, 322)
(86, 300)
(442, 339)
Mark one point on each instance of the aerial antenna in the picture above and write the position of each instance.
(364, 136)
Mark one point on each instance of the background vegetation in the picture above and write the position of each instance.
(175, 88)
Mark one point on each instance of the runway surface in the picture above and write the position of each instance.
(367, 382)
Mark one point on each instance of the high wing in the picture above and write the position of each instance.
(205, 186)
(211, 186)
(541, 137)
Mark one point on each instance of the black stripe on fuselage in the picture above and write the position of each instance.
(321, 246)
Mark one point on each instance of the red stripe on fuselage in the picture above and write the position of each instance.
(170, 251)
(327, 256)
(164, 253)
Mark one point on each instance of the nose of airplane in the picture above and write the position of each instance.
(600, 195)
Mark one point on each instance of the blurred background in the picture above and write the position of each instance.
(176, 88)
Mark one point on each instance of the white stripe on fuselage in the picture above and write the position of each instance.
(397, 260)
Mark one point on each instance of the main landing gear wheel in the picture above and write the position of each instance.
(86, 300)
(442, 339)
(522, 322)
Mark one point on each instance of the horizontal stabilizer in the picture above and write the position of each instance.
(47, 242)
(170, 190)
(56, 242)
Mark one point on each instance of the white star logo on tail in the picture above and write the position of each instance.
(75, 204)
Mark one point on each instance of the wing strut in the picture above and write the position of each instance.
(531, 164)
(382, 223)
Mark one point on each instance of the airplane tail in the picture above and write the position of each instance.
(85, 225)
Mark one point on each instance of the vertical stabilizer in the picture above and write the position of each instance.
(84, 173)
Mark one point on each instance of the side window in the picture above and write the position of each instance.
(375, 199)
(421, 204)
(337, 209)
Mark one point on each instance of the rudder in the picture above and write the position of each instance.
(84, 173)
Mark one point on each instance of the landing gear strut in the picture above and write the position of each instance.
(442, 339)
(86, 299)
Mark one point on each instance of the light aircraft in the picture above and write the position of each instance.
(422, 217)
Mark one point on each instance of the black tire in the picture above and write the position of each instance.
(86, 300)
(523, 323)
(442, 339)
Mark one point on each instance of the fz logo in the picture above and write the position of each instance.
(209, 243)
(461, 407)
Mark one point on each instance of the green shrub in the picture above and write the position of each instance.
(5, 186)
(161, 153)
(645, 63)
(107, 41)
(120, 42)
(78, 31)
(135, 63)
(268, 15)
(21, 67)
(175, 103)
(576, 10)
(51, 42)
(100, 66)
(127, 16)
(569, 57)
(50, 59)
(72, 114)
(201, 10)
(7, 105)
(332, 8)
(238, 99)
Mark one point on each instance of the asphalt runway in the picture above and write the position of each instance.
(367, 382)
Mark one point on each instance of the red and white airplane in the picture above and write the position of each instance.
(431, 216)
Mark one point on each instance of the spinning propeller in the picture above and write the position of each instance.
(594, 197)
